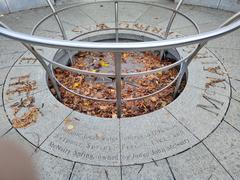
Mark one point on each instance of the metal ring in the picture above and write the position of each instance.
(119, 47)
(114, 100)
(85, 72)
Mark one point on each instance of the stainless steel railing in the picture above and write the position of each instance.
(29, 41)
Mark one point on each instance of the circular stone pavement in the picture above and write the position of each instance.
(92, 140)
(145, 139)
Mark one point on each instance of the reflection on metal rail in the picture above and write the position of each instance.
(117, 48)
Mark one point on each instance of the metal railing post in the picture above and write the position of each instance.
(118, 80)
(170, 24)
(57, 19)
(118, 57)
(60, 26)
(172, 19)
(199, 47)
(42, 62)
(116, 21)
(183, 70)
(185, 65)
(47, 69)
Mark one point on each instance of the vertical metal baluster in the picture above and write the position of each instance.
(184, 68)
(57, 19)
(116, 21)
(170, 24)
(47, 69)
(118, 68)
(118, 56)
(60, 26)
(42, 62)
(199, 47)
(172, 19)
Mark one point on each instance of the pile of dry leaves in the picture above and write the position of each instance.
(104, 88)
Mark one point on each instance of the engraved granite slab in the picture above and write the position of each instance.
(230, 57)
(27, 59)
(86, 139)
(50, 115)
(152, 137)
(206, 72)
(199, 111)
(22, 81)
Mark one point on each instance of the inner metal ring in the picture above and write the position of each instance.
(129, 35)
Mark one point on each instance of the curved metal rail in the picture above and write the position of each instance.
(200, 39)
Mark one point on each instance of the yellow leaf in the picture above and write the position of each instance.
(76, 29)
(69, 124)
(66, 121)
(164, 103)
(153, 99)
(125, 55)
(103, 63)
(160, 73)
(93, 70)
(76, 85)
(87, 104)
(70, 127)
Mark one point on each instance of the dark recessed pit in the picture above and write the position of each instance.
(92, 88)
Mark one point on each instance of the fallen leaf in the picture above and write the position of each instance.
(104, 88)
(99, 136)
(76, 29)
(76, 85)
(103, 107)
(103, 63)
(28, 118)
(70, 127)
(153, 99)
